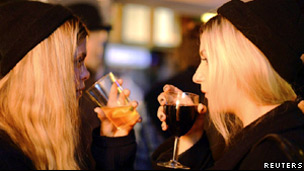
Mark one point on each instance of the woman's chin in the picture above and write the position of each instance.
(78, 94)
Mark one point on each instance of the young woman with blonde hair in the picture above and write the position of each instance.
(249, 71)
(42, 78)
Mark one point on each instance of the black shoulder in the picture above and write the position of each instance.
(273, 151)
(11, 157)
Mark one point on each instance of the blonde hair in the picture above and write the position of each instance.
(236, 68)
(38, 101)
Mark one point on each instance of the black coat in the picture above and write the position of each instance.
(109, 153)
(196, 157)
(272, 141)
(11, 157)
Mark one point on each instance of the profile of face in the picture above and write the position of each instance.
(201, 73)
(81, 72)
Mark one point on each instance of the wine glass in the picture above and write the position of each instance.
(107, 94)
(181, 112)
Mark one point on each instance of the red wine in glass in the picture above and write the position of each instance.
(180, 119)
(181, 112)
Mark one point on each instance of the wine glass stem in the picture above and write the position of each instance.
(175, 149)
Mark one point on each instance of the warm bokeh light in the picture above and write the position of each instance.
(207, 16)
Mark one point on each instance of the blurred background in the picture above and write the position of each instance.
(148, 43)
(146, 34)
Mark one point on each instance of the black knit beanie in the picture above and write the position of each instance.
(276, 27)
(24, 24)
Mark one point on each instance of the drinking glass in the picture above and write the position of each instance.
(107, 94)
(181, 112)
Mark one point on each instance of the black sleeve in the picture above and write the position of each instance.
(199, 156)
(114, 153)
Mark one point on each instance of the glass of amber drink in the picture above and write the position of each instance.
(107, 93)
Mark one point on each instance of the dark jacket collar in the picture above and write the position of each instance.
(284, 117)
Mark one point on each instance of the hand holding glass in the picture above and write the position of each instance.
(108, 94)
(181, 112)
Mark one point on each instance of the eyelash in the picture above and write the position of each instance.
(79, 62)
(205, 59)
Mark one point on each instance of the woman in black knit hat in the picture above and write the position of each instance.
(250, 68)
(42, 53)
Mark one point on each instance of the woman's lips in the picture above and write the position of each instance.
(80, 91)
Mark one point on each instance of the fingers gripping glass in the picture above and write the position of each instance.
(108, 94)
(181, 112)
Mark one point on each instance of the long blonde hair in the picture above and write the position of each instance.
(237, 67)
(38, 101)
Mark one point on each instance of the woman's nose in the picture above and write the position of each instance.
(85, 74)
(195, 77)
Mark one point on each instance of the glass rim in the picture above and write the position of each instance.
(181, 92)
(96, 82)
(195, 97)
